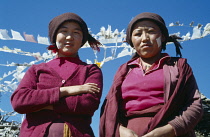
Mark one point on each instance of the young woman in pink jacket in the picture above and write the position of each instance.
(60, 97)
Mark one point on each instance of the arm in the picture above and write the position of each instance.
(27, 98)
(191, 111)
(91, 88)
(83, 103)
(79, 89)
(164, 131)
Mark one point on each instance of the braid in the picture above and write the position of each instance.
(174, 38)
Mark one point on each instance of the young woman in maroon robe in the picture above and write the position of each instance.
(153, 94)
(60, 97)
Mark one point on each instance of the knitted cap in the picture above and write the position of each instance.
(161, 23)
(56, 22)
(147, 16)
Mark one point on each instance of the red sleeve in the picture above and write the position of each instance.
(27, 98)
(83, 103)
(192, 111)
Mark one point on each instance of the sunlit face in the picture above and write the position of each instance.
(69, 39)
(147, 39)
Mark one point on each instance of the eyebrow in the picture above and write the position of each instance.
(64, 27)
(139, 28)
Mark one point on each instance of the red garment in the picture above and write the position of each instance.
(40, 88)
(135, 97)
(182, 108)
(61, 64)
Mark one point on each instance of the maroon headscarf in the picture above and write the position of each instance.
(56, 22)
(161, 23)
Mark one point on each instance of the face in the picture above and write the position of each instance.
(147, 39)
(69, 39)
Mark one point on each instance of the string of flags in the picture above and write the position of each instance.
(106, 36)
(4, 35)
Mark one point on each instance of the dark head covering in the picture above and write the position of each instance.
(56, 22)
(160, 22)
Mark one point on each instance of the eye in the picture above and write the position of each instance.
(138, 33)
(78, 32)
(151, 31)
(62, 30)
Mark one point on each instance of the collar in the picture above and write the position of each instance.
(155, 65)
(69, 59)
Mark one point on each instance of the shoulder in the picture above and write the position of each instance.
(37, 67)
(90, 66)
(123, 69)
(176, 61)
(90, 69)
(181, 64)
(125, 65)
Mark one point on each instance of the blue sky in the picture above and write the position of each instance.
(32, 17)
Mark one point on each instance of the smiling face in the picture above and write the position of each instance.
(147, 39)
(69, 39)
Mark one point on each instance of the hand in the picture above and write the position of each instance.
(79, 89)
(125, 132)
(165, 131)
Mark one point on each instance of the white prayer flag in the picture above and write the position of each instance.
(4, 34)
(16, 35)
(43, 40)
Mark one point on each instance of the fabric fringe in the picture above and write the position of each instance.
(67, 131)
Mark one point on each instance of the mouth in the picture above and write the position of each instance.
(145, 45)
(68, 44)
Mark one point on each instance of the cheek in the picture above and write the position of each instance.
(58, 44)
(159, 41)
(156, 40)
(59, 37)
(79, 38)
(135, 40)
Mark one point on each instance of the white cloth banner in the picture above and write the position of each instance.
(206, 30)
(196, 33)
(43, 40)
(16, 35)
(4, 34)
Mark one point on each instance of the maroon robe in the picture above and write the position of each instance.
(182, 108)
(40, 87)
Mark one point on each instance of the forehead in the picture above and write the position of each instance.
(70, 24)
(145, 23)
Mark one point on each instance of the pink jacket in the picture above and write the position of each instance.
(40, 88)
(182, 108)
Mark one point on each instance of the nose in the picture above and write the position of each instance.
(69, 36)
(145, 36)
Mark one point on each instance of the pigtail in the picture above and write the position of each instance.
(174, 38)
(94, 44)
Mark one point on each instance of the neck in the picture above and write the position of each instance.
(61, 55)
(151, 60)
